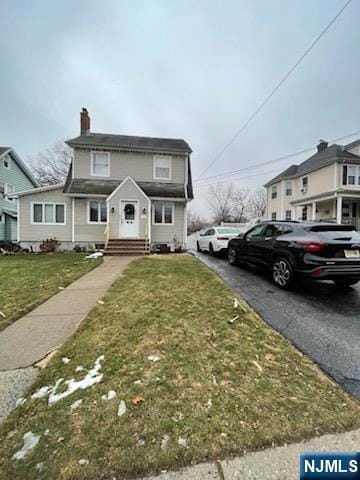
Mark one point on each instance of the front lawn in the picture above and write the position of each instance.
(195, 387)
(28, 280)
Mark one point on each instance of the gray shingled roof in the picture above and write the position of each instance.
(105, 187)
(333, 153)
(131, 142)
(4, 149)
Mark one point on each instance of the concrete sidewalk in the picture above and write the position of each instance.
(30, 338)
(280, 463)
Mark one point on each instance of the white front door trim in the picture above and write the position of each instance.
(129, 228)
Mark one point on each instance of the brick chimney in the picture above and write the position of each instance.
(322, 145)
(84, 122)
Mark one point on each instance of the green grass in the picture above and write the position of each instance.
(28, 280)
(263, 391)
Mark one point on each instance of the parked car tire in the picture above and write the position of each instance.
(282, 272)
(198, 246)
(211, 249)
(232, 256)
(347, 282)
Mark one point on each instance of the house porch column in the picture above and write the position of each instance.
(314, 211)
(338, 209)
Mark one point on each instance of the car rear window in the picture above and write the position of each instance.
(228, 230)
(331, 228)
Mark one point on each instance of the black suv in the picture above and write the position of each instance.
(314, 250)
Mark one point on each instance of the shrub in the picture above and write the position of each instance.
(78, 249)
(9, 246)
(49, 245)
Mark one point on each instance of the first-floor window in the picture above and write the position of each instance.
(48, 213)
(287, 215)
(273, 216)
(97, 211)
(163, 212)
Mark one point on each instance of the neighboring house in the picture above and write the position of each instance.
(14, 175)
(131, 190)
(326, 186)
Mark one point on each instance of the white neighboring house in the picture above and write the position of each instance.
(128, 192)
(326, 186)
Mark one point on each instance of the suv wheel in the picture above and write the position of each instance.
(232, 256)
(282, 272)
(211, 249)
(346, 282)
(198, 246)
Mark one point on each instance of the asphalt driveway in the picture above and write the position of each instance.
(320, 319)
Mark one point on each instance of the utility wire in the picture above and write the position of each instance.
(274, 90)
(204, 181)
(242, 177)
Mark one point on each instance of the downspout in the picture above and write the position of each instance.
(18, 219)
(73, 220)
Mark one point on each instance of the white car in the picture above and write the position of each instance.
(215, 239)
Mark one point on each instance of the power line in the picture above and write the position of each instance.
(240, 176)
(268, 162)
(275, 89)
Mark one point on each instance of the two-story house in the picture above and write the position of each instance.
(326, 186)
(127, 192)
(14, 175)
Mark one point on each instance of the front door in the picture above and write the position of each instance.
(129, 219)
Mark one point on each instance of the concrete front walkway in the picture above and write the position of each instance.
(280, 463)
(30, 338)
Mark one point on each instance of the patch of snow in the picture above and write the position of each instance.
(47, 431)
(182, 442)
(39, 467)
(61, 288)
(209, 404)
(76, 404)
(101, 302)
(141, 442)
(153, 358)
(83, 461)
(122, 408)
(66, 360)
(21, 401)
(138, 382)
(95, 255)
(236, 303)
(30, 442)
(80, 368)
(110, 395)
(164, 442)
(91, 378)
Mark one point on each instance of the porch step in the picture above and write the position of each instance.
(122, 246)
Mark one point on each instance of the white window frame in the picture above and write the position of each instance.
(163, 224)
(92, 173)
(304, 188)
(273, 192)
(99, 201)
(288, 219)
(159, 158)
(54, 204)
(357, 175)
(6, 193)
(288, 182)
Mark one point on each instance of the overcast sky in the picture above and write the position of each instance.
(180, 68)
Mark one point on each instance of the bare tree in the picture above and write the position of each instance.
(52, 165)
(220, 202)
(240, 204)
(195, 223)
(257, 203)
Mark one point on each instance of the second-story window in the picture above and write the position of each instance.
(288, 188)
(304, 184)
(2, 189)
(8, 190)
(274, 191)
(162, 167)
(6, 161)
(100, 164)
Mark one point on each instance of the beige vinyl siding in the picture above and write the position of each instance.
(167, 233)
(319, 181)
(38, 232)
(85, 232)
(137, 165)
(274, 204)
(128, 191)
